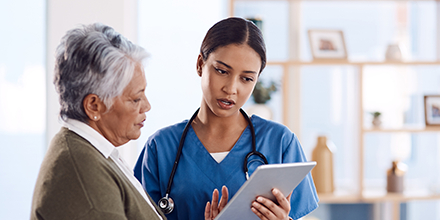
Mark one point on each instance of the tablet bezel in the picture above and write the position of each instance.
(262, 181)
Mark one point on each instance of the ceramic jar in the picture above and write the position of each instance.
(323, 172)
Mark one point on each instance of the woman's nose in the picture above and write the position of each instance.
(231, 86)
(145, 106)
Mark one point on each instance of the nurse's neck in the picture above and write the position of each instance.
(209, 120)
(218, 134)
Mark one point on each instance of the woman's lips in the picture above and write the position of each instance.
(141, 124)
(225, 103)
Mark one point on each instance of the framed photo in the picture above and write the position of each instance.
(432, 109)
(327, 44)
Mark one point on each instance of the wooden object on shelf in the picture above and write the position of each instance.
(323, 172)
(395, 178)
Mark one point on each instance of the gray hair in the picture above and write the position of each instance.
(93, 59)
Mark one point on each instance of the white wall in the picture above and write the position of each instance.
(172, 32)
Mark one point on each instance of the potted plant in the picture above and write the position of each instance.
(261, 95)
(376, 119)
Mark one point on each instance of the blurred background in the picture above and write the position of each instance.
(335, 97)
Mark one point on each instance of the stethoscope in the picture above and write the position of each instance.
(167, 205)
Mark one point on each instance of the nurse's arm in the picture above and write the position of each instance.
(212, 209)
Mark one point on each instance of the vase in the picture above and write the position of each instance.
(323, 172)
(393, 53)
(395, 176)
(261, 110)
(376, 122)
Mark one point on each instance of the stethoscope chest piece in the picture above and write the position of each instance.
(166, 205)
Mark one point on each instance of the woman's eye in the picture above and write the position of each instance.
(220, 71)
(136, 100)
(247, 79)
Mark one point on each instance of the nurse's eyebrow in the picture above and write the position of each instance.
(230, 67)
(224, 64)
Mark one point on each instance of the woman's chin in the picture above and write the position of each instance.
(135, 135)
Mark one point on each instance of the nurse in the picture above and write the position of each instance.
(232, 56)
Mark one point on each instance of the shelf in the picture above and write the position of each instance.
(376, 196)
(292, 70)
(410, 129)
(346, 62)
(383, 196)
(339, 197)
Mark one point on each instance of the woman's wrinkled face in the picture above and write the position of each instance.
(123, 122)
(228, 78)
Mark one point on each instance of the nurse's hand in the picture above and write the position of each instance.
(212, 209)
(267, 209)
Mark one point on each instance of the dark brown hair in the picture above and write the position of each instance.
(234, 30)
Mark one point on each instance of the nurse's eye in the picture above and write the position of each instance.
(220, 71)
(248, 79)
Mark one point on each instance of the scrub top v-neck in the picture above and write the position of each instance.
(198, 173)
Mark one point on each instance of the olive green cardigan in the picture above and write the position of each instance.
(77, 182)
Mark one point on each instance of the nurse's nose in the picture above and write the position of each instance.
(231, 86)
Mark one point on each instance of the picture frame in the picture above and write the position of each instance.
(327, 44)
(432, 110)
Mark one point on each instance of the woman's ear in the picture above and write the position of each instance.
(93, 106)
(200, 63)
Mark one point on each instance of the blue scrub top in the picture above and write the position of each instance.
(198, 174)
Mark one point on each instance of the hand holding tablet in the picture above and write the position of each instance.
(284, 177)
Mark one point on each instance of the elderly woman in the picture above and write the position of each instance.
(101, 84)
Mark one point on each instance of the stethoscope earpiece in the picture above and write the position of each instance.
(166, 205)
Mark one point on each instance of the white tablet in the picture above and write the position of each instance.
(284, 177)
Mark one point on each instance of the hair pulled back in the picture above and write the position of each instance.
(237, 31)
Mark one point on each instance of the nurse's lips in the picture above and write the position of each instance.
(226, 103)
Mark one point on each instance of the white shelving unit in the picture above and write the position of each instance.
(292, 114)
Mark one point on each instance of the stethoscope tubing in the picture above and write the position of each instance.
(179, 152)
(254, 151)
